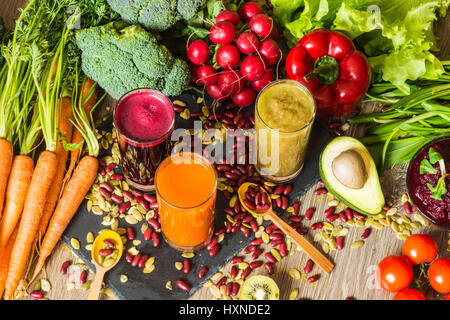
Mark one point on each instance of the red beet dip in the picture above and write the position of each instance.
(436, 210)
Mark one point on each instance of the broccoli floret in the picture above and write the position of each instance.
(121, 58)
(157, 15)
(188, 8)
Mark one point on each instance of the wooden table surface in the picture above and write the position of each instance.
(354, 273)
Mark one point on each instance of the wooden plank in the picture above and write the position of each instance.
(355, 268)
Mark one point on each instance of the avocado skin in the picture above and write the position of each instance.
(371, 172)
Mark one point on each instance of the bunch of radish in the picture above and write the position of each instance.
(244, 60)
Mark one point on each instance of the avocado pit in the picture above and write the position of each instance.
(349, 169)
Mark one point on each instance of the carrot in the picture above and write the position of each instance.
(65, 127)
(6, 159)
(18, 183)
(73, 195)
(90, 93)
(43, 176)
(4, 260)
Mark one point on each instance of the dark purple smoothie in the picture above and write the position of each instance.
(144, 120)
(436, 210)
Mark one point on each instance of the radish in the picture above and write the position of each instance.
(228, 56)
(193, 69)
(248, 42)
(269, 51)
(228, 15)
(267, 78)
(230, 81)
(222, 33)
(252, 68)
(198, 52)
(262, 25)
(206, 75)
(245, 97)
(249, 9)
(216, 92)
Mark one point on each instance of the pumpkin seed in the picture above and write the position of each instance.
(405, 197)
(360, 223)
(37, 286)
(207, 283)
(123, 278)
(150, 261)
(325, 247)
(391, 211)
(416, 225)
(149, 269)
(333, 203)
(188, 255)
(108, 292)
(293, 295)
(75, 243)
(133, 251)
(130, 219)
(317, 237)
(265, 237)
(327, 226)
(395, 226)
(179, 103)
(178, 265)
(357, 244)
(215, 292)
(90, 237)
(87, 285)
(216, 276)
(88, 247)
(169, 285)
(401, 236)
(294, 273)
(220, 238)
(232, 201)
(377, 225)
(243, 265)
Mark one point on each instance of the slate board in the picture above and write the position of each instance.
(151, 286)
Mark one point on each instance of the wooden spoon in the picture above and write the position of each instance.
(100, 269)
(304, 244)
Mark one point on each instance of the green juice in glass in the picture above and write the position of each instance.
(284, 115)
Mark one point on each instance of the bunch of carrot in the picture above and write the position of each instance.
(40, 200)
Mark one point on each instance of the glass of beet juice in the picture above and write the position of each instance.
(144, 120)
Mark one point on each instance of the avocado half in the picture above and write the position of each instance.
(369, 198)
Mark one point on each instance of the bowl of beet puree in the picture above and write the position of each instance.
(144, 120)
(428, 181)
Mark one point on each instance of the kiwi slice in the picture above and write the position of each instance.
(259, 287)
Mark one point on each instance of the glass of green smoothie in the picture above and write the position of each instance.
(284, 114)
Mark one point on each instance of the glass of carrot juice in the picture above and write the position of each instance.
(186, 189)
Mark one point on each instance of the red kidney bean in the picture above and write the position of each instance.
(135, 260)
(407, 207)
(296, 206)
(348, 213)
(279, 190)
(128, 257)
(295, 218)
(366, 233)
(228, 288)
(236, 260)
(332, 218)
(386, 207)
(130, 233)
(340, 242)
(229, 211)
(320, 183)
(240, 216)
(219, 231)
(343, 217)
(287, 189)
(235, 289)
(202, 272)
(309, 213)
(278, 201)
(186, 266)
(247, 219)
(128, 195)
(106, 186)
(105, 252)
(228, 226)
(329, 211)
(214, 250)
(256, 242)
(64, 267)
(148, 234)
(110, 167)
(269, 267)
(149, 198)
(124, 207)
(254, 226)
(211, 243)
(116, 177)
(249, 248)
(155, 225)
(308, 266)
(320, 191)
(257, 253)
(283, 250)
(302, 230)
(136, 193)
(155, 239)
(36, 294)
(246, 272)
(262, 207)
(358, 216)
(105, 193)
(116, 199)
(221, 281)
(313, 278)
(275, 236)
(338, 132)
(249, 205)
(257, 200)
(227, 194)
(237, 207)
(275, 243)
(284, 203)
(255, 264)
(83, 276)
(231, 176)
(317, 225)
(269, 257)
(233, 272)
(246, 231)
(154, 205)
(183, 285)
(142, 261)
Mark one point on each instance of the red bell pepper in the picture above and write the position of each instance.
(329, 65)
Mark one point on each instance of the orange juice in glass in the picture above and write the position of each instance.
(186, 188)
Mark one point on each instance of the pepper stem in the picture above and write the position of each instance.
(326, 69)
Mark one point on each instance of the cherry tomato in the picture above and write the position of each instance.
(439, 275)
(394, 273)
(409, 294)
(420, 248)
(447, 297)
